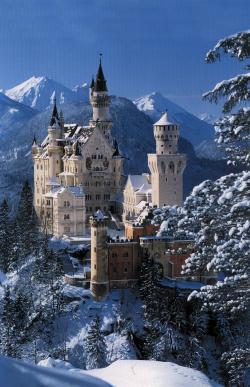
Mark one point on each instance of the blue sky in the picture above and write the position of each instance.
(146, 45)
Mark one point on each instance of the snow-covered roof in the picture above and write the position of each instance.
(75, 190)
(140, 183)
(163, 121)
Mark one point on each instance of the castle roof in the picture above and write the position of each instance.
(163, 121)
(100, 82)
(75, 190)
(55, 116)
(140, 183)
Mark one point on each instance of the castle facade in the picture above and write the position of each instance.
(77, 169)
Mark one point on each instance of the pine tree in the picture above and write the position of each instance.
(26, 222)
(4, 237)
(9, 338)
(233, 130)
(149, 288)
(95, 349)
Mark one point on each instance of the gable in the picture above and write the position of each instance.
(97, 143)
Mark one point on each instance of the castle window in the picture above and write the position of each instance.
(90, 209)
(48, 202)
(48, 215)
(88, 197)
(98, 197)
(107, 197)
(94, 233)
(66, 216)
(114, 269)
(95, 266)
(125, 270)
(76, 170)
(93, 157)
(114, 255)
(41, 167)
(37, 167)
(114, 169)
(95, 249)
(125, 254)
(57, 161)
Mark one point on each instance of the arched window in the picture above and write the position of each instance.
(171, 166)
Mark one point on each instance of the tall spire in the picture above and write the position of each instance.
(100, 83)
(54, 116)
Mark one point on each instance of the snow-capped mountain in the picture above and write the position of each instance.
(130, 127)
(81, 92)
(39, 93)
(191, 127)
(209, 118)
(13, 114)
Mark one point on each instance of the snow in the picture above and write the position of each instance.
(139, 183)
(163, 121)
(142, 373)
(15, 373)
(191, 127)
(39, 93)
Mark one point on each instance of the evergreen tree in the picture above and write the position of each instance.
(233, 130)
(26, 222)
(149, 288)
(9, 338)
(4, 237)
(95, 349)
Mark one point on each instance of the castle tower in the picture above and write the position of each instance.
(166, 165)
(55, 150)
(99, 283)
(100, 102)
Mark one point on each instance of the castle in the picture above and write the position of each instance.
(78, 169)
(78, 172)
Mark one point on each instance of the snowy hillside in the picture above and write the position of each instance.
(13, 114)
(39, 92)
(141, 373)
(15, 373)
(192, 128)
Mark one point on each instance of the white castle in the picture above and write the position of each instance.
(78, 170)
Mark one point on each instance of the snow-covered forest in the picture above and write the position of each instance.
(208, 329)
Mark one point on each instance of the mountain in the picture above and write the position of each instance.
(39, 93)
(191, 127)
(209, 118)
(130, 127)
(81, 92)
(13, 114)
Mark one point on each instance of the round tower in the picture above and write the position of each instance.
(166, 165)
(99, 284)
(166, 135)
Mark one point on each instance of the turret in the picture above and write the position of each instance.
(91, 88)
(99, 284)
(55, 149)
(166, 135)
(166, 165)
(99, 98)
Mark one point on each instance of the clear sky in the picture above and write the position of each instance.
(147, 45)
